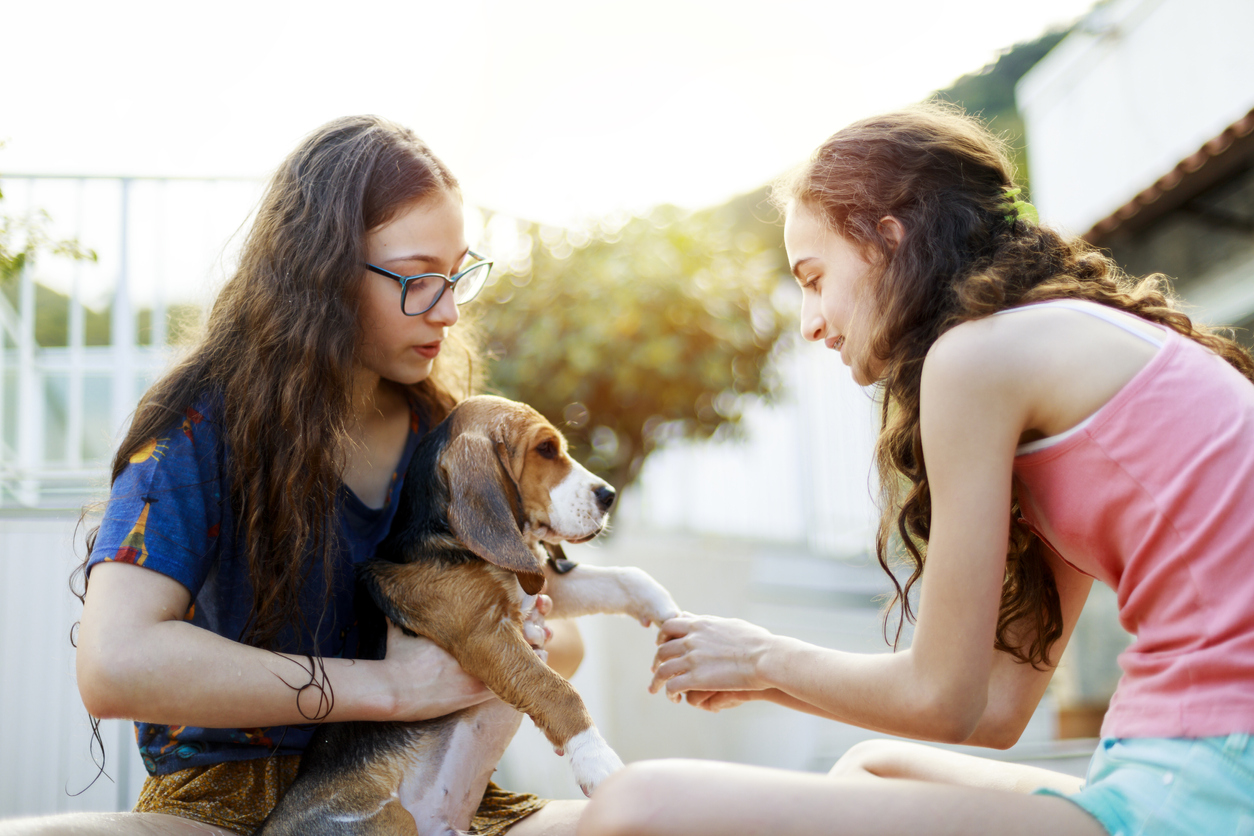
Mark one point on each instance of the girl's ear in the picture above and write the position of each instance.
(892, 230)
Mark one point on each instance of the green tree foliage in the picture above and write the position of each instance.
(990, 92)
(660, 327)
(21, 239)
(654, 329)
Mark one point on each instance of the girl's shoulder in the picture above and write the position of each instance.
(1049, 365)
(1057, 337)
(1009, 364)
(992, 349)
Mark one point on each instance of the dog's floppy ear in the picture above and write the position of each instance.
(485, 506)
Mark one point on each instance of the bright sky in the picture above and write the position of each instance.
(553, 110)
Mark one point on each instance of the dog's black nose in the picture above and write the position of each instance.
(605, 497)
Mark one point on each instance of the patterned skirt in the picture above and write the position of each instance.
(238, 795)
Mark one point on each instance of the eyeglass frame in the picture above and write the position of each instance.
(449, 281)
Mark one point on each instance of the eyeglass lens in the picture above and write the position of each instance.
(422, 292)
(471, 282)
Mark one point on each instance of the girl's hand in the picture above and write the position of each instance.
(535, 631)
(706, 653)
(426, 680)
(715, 701)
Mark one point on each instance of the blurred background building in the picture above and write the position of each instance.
(1140, 128)
(666, 345)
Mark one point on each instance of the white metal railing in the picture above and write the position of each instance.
(159, 241)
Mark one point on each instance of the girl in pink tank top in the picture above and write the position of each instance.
(1047, 422)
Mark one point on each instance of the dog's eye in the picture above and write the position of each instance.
(547, 449)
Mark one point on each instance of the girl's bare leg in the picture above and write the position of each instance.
(109, 824)
(557, 818)
(701, 797)
(901, 759)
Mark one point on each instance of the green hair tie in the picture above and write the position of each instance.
(1017, 209)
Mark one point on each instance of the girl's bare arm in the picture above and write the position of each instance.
(950, 685)
(138, 659)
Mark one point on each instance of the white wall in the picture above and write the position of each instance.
(46, 750)
(1139, 86)
(800, 473)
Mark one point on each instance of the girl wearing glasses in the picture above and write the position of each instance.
(1047, 422)
(218, 610)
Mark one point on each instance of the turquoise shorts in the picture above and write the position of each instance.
(1177, 786)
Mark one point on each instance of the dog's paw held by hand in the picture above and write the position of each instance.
(649, 601)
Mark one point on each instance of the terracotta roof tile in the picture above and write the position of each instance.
(1188, 172)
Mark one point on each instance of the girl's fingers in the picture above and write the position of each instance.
(719, 700)
(676, 676)
(544, 604)
(712, 701)
(676, 627)
(671, 650)
(536, 634)
(678, 685)
(535, 631)
(661, 675)
(700, 699)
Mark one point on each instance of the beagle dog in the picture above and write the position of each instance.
(488, 492)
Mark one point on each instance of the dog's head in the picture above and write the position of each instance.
(512, 483)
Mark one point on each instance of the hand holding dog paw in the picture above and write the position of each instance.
(535, 631)
(709, 654)
(425, 680)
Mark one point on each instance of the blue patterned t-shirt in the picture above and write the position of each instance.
(168, 511)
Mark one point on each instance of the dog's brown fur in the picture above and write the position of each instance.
(485, 637)
(484, 490)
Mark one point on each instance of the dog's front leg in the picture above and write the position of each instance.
(473, 611)
(500, 656)
(587, 590)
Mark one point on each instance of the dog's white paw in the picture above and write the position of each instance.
(591, 759)
(650, 603)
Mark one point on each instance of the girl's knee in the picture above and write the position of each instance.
(631, 801)
(869, 757)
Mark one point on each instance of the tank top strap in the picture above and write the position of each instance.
(1120, 319)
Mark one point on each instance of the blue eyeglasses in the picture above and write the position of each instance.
(420, 293)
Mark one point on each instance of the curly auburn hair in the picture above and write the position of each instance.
(284, 333)
(945, 177)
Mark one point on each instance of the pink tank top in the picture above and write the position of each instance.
(1154, 496)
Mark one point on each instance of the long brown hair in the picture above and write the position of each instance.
(965, 255)
(280, 345)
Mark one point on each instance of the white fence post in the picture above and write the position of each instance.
(74, 424)
(122, 327)
(29, 399)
